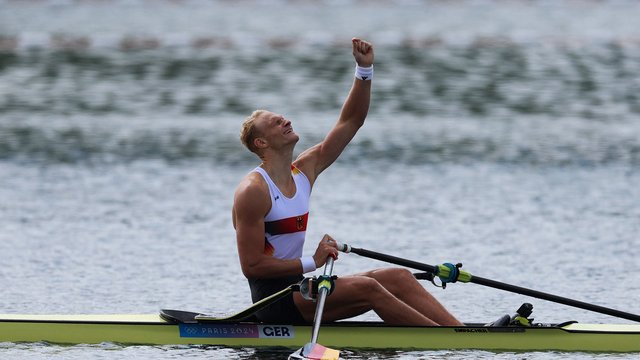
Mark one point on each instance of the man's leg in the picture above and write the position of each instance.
(403, 285)
(355, 295)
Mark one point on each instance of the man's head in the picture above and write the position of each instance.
(263, 129)
(249, 131)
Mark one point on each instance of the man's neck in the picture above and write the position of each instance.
(278, 168)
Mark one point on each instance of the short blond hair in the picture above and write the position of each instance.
(249, 132)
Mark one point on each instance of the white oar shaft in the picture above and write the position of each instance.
(322, 295)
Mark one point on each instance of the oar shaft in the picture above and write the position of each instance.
(554, 298)
(386, 258)
(492, 283)
(322, 296)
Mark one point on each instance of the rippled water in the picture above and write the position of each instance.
(504, 135)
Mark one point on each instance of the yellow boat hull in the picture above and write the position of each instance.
(153, 329)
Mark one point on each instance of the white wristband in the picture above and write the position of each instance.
(308, 264)
(364, 73)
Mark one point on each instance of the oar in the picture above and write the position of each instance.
(450, 273)
(313, 350)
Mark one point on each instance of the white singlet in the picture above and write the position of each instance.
(285, 226)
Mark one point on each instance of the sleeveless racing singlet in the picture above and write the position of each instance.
(285, 226)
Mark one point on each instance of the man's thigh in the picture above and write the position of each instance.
(349, 299)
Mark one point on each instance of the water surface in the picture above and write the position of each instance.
(503, 135)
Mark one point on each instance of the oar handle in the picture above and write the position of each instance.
(345, 248)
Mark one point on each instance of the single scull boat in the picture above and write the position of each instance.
(181, 327)
(178, 327)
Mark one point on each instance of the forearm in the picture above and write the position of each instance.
(356, 106)
(269, 267)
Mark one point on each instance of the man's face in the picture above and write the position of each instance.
(275, 130)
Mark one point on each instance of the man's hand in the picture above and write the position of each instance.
(362, 52)
(327, 247)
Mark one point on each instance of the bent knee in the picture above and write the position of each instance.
(404, 274)
(395, 280)
(366, 285)
(391, 275)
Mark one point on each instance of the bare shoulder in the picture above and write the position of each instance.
(251, 197)
(252, 187)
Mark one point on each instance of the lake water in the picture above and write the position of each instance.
(503, 135)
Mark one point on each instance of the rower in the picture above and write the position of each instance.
(271, 211)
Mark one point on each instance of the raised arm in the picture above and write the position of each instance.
(354, 111)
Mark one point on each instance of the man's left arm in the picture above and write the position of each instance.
(354, 111)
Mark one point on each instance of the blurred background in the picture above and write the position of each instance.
(502, 134)
(549, 82)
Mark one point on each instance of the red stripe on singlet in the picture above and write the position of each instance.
(287, 226)
(268, 248)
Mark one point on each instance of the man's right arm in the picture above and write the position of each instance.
(251, 204)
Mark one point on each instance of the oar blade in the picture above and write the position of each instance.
(313, 351)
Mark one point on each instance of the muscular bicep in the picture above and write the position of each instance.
(251, 205)
(249, 209)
